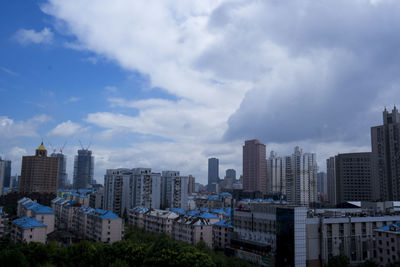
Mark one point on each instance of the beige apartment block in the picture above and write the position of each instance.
(28, 230)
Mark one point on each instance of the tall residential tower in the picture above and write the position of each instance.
(254, 166)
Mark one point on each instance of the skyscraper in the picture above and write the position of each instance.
(213, 173)
(62, 169)
(6, 172)
(231, 173)
(192, 181)
(83, 169)
(321, 182)
(331, 180)
(385, 140)
(276, 174)
(301, 177)
(39, 173)
(254, 166)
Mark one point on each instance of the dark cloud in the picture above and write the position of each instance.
(321, 70)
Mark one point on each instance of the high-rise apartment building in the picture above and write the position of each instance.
(174, 190)
(385, 140)
(83, 169)
(147, 190)
(5, 174)
(352, 177)
(128, 188)
(213, 173)
(276, 174)
(62, 169)
(301, 176)
(192, 181)
(254, 166)
(39, 173)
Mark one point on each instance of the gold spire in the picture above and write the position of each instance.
(41, 147)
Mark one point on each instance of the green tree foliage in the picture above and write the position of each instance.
(339, 261)
(137, 249)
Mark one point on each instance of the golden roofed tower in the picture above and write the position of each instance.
(41, 151)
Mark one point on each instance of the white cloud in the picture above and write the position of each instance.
(111, 89)
(285, 72)
(67, 128)
(24, 36)
(10, 129)
(73, 99)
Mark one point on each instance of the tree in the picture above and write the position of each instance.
(339, 261)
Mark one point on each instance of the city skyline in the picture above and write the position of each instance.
(65, 75)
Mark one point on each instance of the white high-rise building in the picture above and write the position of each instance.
(276, 174)
(147, 188)
(128, 188)
(174, 190)
(302, 177)
(118, 187)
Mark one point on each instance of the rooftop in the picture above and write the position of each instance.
(26, 222)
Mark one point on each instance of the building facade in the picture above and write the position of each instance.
(62, 169)
(276, 174)
(191, 185)
(83, 169)
(254, 166)
(213, 173)
(331, 180)
(174, 190)
(353, 180)
(301, 177)
(5, 173)
(386, 157)
(39, 173)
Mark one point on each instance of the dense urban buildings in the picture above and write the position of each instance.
(385, 141)
(352, 177)
(128, 188)
(83, 169)
(254, 166)
(39, 173)
(62, 169)
(213, 174)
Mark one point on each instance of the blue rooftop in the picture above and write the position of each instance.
(225, 223)
(26, 222)
(207, 215)
(39, 209)
(105, 214)
(215, 197)
(180, 211)
(225, 194)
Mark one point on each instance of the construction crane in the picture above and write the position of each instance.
(62, 148)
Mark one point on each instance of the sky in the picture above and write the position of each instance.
(168, 84)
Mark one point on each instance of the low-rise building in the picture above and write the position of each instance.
(27, 230)
(387, 244)
(93, 224)
(3, 223)
(31, 209)
(221, 231)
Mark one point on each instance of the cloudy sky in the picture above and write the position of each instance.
(167, 84)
